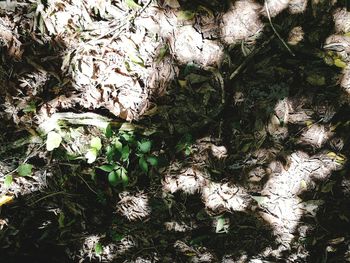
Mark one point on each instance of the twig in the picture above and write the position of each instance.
(92, 190)
(274, 30)
(145, 6)
(49, 195)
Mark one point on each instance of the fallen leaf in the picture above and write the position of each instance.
(53, 140)
(5, 199)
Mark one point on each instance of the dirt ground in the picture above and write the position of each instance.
(174, 131)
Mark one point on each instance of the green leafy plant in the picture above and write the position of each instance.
(118, 156)
(24, 169)
(145, 158)
(95, 147)
(123, 148)
(98, 249)
(116, 174)
(185, 144)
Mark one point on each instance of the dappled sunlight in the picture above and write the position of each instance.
(277, 6)
(186, 42)
(282, 206)
(134, 206)
(316, 135)
(94, 249)
(178, 226)
(296, 36)
(339, 44)
(278, 201)
(190, 180)
(217, 197)
(241, 22)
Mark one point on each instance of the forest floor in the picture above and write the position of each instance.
(174, 131)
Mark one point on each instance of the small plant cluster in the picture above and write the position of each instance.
(122, 148)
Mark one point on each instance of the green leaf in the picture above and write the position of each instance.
(109, 153)
(188, 150)
(339, 63)
(113, 178)
(137, 59)
(132, 5)
(24, 169)
(8, 180)
(126, 136)
(145, 146)
(220, 225)
(107, 168)
(98, 249)
(122, 173)
(109, 131)
(117, 237)
(185, 15)
(53, 140)
(143, 164)
(125, 153)
(152, 160)
(260, 199)
(316, 80)
(30, 107)
(61, 218)
(118, 145)
(162, 52)
(327, 187)
(196, 78)
(96, 143)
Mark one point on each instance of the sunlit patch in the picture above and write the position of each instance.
(340, 44)
(3, 223)
(296, 35)
(316, 135)
(275, 7)
(241, 22)
(217, 197)
(116, 71)
(297, 6)
(94, 248)
(282, 206)
(189, 180)
(187, 43)
(178, 226)
(341, 19)
(219, 152)
(134, 206)
(189, 46)
(24, 185)
(223, 197)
